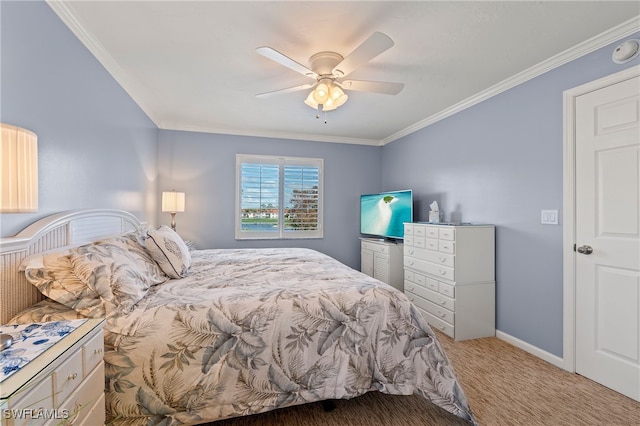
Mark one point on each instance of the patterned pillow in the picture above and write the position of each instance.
(119, 270)
(53, 275)
(45, 311)
(169, 251)
(134, 243)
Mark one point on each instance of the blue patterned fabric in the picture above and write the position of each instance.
(31, 340)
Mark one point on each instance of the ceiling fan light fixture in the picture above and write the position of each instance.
(329, 105)
(337, 96)
(328, 94)
(321, 93)
(310, 101)
(329, 68)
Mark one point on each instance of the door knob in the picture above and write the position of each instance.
(585, 249)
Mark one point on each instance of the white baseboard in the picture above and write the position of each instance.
(533, 350)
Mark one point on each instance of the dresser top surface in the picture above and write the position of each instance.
(14, 382)
(450, 224)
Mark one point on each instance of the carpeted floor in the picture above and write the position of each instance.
(505, 386)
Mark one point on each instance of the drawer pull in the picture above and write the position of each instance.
(411, 262)
(441, 327)
(445, 247)
(442, 302)
(442, 272)
(441, 314)
(412, 288)
(442, 259)
(72, 376)
(410, 251)
(97, 351)
(412, 299)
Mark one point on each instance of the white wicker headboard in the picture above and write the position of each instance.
(65, 229)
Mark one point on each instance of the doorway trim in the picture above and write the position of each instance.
(568, 210)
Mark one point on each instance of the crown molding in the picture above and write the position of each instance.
(612, 35)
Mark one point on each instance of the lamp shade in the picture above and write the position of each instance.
(310, 101)
(18, 170)
(172, 201)
(321, 93)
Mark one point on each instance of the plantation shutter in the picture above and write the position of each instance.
(278, 197)
(260, 198)
(301, 186)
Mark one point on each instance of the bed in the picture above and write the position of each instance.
(210, 334)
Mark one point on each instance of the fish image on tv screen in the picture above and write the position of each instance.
(385, 213)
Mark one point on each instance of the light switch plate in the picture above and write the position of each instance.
(549, 217)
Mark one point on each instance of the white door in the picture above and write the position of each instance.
(607, 288)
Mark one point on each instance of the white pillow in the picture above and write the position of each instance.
(169, 250)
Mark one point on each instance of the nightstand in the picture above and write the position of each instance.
(62, 385)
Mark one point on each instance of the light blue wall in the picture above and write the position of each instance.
(203, 166)
(498, 162)
(501, 162)
(96, 147)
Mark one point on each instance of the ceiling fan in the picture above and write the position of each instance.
(329, 70)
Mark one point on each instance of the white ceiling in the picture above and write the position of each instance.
(192, 65)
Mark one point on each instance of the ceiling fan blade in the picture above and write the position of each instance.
(287, 90)
(384, 87)
(278, 57)
(369, 49)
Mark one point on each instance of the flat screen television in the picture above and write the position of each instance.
(384, 214)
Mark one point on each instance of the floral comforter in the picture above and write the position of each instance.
(252, 330)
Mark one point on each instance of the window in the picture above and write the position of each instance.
(278, 197)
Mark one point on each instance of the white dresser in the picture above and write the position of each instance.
(382, 260)
(64, 385)
(450, 275)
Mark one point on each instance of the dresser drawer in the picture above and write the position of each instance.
(38, 397)
(80, 402)
(438, 324)
(430, 256)
(408, 230)
(431, 244)
(96, 415)
(409, 276)
(446, 233)
(410, 286)
(446, 246)
(414, 278)
(419, 230)
(67, 377)
(419, 242)
(437, 311)
(410, 251)
(376, 248)
(432, 231)
(431, 284)
(441, 258)
(434, 297)
(447, 290)
(439, 271)
(92, 353)
(408, 240)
